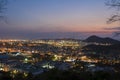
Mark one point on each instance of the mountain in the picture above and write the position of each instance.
(101, 40)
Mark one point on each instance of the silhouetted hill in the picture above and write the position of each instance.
(101, 40)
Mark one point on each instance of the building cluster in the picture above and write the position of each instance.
(37, 56)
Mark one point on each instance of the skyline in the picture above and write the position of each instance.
(27, 17)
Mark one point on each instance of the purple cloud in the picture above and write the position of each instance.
(115, 28)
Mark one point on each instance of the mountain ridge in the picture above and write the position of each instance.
(98, 39)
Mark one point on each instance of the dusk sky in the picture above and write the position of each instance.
(37, 16)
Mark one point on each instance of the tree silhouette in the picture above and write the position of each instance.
(114, 4)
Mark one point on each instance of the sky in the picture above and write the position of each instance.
(32, 17)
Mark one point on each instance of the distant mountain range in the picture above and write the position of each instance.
(101, 40)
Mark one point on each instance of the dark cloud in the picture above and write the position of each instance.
(115, 28)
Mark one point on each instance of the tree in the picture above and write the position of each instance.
(114, 4)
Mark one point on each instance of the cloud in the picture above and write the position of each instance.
(114, 28)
